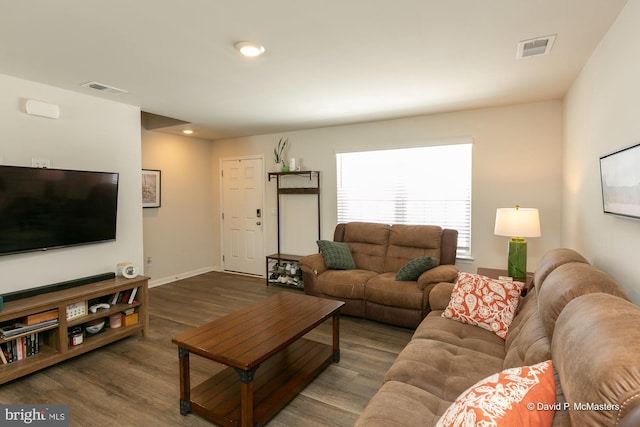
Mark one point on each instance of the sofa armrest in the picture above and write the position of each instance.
(311, 266)
(441, 273)
(440, 296)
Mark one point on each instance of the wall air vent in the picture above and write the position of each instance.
(535, 47)
(104, 88)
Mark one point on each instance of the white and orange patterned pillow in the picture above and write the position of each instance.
(484, 302)
(521, 397)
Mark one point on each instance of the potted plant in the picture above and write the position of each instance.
(278, 153)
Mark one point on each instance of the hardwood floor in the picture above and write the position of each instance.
(134, 382)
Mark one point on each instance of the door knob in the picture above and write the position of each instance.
(258, 223)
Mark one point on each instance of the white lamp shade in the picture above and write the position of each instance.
(517, 222)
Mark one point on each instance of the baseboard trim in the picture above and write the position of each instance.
(163, 281)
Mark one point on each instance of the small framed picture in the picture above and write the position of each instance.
(151, 188)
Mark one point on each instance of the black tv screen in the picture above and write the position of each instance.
(43, 209)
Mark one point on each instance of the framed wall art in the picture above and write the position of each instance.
(620, 177)
(151, 188)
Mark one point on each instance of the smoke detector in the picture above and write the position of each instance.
(535, 47)
(104, 88)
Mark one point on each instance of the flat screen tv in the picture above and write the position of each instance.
(620, 178)
(43, 209)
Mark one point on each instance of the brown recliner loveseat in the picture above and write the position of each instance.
(379, 252)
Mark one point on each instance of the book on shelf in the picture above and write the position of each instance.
(21, 328)
(33, 319)
(115, 298)
(124, 299)
(132, 297)
(19, 348)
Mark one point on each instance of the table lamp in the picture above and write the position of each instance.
(517, 223)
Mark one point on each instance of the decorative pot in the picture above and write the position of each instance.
(279, 166)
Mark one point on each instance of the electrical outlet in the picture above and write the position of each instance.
(40, 163)
(149, 260)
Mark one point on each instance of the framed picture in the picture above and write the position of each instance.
(620, 177)
(151, 188)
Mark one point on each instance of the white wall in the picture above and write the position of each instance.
(178, 236)
(602, 112)
(91, 134)
(516, 160)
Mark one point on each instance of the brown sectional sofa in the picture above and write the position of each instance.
(379, 251)
(575, 315)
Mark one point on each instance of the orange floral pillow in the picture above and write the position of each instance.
(484, 302)
(521, 397)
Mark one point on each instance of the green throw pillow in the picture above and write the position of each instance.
(414, 268)
(337, 255)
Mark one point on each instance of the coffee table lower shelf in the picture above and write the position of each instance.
(276, 382)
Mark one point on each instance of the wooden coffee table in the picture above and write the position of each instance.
(268, 336)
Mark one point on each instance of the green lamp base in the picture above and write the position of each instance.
(517, 261)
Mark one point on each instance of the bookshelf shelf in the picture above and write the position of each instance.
(53, 340)
(101, 313)
(33, 331)
(103, 338)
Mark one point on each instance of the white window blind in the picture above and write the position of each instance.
(424, 185)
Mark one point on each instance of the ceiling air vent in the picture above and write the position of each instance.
(104, 88)
(535, 47)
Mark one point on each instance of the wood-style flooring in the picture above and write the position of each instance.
(134, 382)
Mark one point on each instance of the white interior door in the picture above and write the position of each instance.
(242, 216)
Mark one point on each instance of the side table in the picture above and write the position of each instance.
(495, 273)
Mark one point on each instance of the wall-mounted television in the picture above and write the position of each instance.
(620, 178)
(43, 209)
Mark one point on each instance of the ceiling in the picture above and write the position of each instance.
(327, 63)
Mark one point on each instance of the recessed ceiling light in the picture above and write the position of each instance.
(250, 48)
(187, 131)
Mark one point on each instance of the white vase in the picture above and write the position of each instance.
(279, 166)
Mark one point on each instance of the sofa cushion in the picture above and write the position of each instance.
(407, 242)
(398, 404)
(337, 255)
(484, 302)
(527, 343)
(595, 351)
(554, 259)
(509, 398)
(343, 283)
(414, 268)
(567, 282)
(440, 329)
(384, 289)
(443, 369)
(368, 243)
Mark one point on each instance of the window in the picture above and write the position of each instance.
(424, 185)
